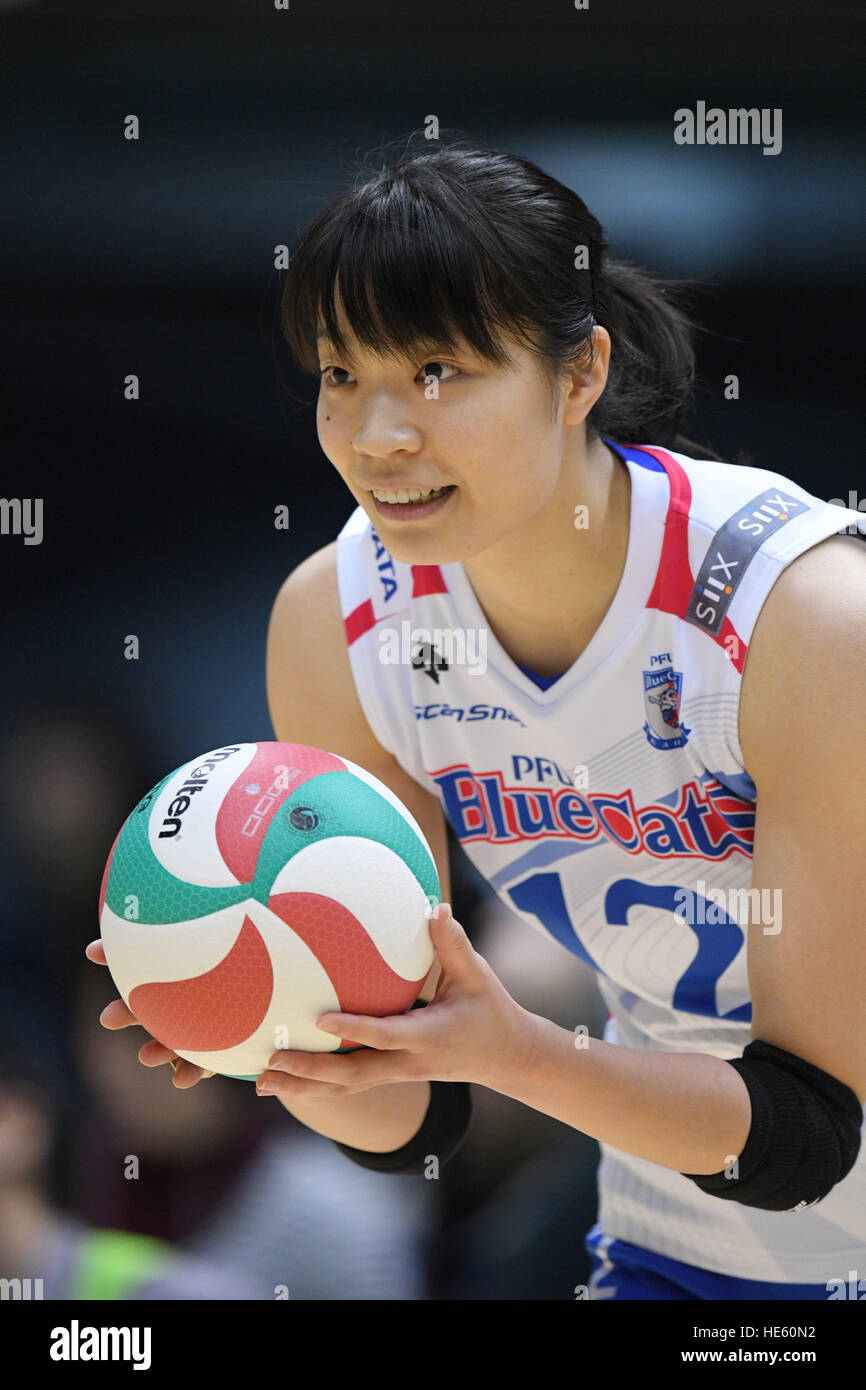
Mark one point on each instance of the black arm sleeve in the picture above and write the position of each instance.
(442, 1131)
(804, 1137)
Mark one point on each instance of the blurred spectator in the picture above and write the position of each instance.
(71, 769)
(40, 1241)
(238, 1180)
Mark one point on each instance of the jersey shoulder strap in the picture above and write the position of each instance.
(730, 532)
(376, 593)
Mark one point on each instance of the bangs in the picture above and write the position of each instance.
(408, 272)
(468, 247)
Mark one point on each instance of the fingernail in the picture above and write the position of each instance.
(264, 1088)
(328, 1027)
(442, 912)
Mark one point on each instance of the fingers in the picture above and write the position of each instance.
(277, 1083)
(96, 952)
(321, 1073)
(186, 1074)
(154, 1054)
(117, 1015)
(396, 1031)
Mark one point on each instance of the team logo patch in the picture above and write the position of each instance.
(661, 693)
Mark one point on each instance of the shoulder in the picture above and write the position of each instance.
(806, 662)
(306, 629)
(313, 584)
(310, 687)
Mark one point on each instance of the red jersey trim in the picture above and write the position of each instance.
(674, 580)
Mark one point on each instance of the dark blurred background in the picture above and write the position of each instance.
(156, 257)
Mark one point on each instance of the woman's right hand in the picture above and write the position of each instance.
(152, 1053)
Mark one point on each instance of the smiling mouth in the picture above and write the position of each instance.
(410, 504)
(413, 494)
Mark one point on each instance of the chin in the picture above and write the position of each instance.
(418, 550)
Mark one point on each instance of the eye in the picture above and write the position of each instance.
(324, 376)
(435, 362)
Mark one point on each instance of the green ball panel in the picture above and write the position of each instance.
(136, 872)
(342, 804)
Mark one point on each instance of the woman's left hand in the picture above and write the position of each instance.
(472, 1030)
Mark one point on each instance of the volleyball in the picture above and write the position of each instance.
(257, 887)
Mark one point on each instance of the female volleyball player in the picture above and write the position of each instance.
(632, 678)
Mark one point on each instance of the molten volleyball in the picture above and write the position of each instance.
(258, 887)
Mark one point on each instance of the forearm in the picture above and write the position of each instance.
(686, 1111)
(379, 1120)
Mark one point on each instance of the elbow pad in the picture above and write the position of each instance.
(804, 1138)
(442, 1131)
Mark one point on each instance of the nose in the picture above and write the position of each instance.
(387, 427)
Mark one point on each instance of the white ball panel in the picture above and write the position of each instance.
(139, 953)
(377, 887)
(193, 853)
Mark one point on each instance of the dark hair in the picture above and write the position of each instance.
(465, 240)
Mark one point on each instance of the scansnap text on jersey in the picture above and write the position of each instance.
(77, 1343)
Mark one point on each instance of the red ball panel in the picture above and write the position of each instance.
(363, 982)
(251, 802)
(213, 1011)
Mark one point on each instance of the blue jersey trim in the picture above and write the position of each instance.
(633, 455)
(543, 682)
(625, 1271)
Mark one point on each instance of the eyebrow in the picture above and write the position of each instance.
(326, 349)
(324, 346)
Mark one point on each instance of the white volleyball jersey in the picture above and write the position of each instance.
(608, 809)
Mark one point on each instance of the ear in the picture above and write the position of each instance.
(587, 383)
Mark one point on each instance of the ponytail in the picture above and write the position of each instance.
(651, 376)
(652, 360)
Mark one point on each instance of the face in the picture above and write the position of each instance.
(447, 419)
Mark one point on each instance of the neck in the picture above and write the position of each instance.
(546, 587)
